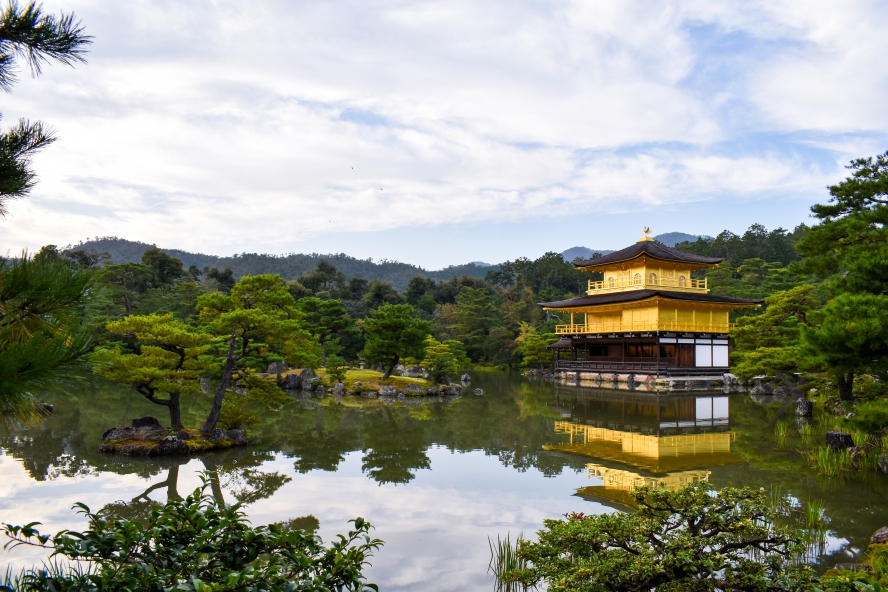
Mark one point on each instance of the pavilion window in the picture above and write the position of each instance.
(652, 279)
(610, 282)
(637, 278)
(682, 280)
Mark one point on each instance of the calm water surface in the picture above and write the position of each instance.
(436, 478)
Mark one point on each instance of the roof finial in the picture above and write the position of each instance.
(647, 231)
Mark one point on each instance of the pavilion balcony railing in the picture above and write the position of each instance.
(638, 326)
(646, 282)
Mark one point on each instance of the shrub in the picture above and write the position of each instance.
(691, 539)
(195, 544)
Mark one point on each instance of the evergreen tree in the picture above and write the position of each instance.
(394, 332)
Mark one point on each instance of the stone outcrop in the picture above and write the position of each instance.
(290, 381)
(465, 378)
(453, 390)
(839, 440)
(388, 391)
(761, 390)
(277, 368)
(412, 390)
(338, 388)
(880, 537)
(308, 379)
(146, 437)
(479, 391)
(788, 391)
(804, 408)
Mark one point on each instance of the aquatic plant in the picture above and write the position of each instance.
(504, 559)
(828, 461)
(781, 430)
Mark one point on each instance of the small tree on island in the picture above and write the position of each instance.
(394, 332)
(445, 359)
(167, 360)
(258, 317)
(691, 539)
(327, 320)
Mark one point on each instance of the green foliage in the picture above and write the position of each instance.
(532, 347)
(444, 360)
(122, 281)
(26, 32)
(43, 339)
(235, 413)
(475, 315)
(327, 320)
(691, 539)
(775, 246)
(196, 544)
(168, 359)
(259, 318)
(394, 332)
(503, 560)
(336, 369)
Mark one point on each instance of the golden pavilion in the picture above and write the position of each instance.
(647, 315)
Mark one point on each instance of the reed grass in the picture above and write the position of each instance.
(504, 559)
(781, 430)
(828, 461)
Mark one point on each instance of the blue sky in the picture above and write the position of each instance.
(443, 132)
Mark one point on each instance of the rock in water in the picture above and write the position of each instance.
(804, 408)
(761, 389)
(839, 440)
(290, 381)
(413, 390)
(454, 390)
(144, 422)
(479, 391)
(338, 388)
(183, 435)
(788, 391)
(320, 391)
(465, 377)
(388, 391)
(306, 378)
(169, 446)
(881, 536)
(238, 436)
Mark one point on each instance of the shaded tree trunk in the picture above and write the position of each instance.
(175, 412)
(391, 367)
(227, 371)
(846, 385)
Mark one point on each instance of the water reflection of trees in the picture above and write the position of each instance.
(393, 448)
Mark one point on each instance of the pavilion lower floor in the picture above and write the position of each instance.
(656, 353)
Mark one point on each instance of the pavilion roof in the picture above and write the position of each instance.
(635, 295)
(651, 249)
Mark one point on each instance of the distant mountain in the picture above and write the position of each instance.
(583, 253)
(670, 239)
(481, 264)
(288, 266)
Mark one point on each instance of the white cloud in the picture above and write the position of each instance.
(263, 126)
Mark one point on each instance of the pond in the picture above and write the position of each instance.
(435, 478)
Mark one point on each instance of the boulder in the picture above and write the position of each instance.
(880, 537)
(320, 391)
(839, 440)
(804, 408)
(216, 435)
(854, 452)
(850, 415)
(358, 383)
(787, 391)
(118, 433)
(433, 390)
(130, 450)
(761, 389)
(453, 390)
(400, 368)
(146, 421)
(414, 372)
(306, 379)
(338, 388)
(388, 391)
(47, 407)
(465, 377)
(277, 368)
(238, 436)
(183, 435)
(479, 391)
(169, 446)
(290, 381)
(412, 390)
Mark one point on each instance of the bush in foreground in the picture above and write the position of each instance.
(691, 539)
(195, 544)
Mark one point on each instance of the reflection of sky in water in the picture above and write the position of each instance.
(435, 528)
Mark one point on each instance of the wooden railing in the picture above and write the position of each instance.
(576, 329)
(624, 284)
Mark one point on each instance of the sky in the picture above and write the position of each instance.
(438, 133)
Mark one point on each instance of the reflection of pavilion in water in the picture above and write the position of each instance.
(641, 439)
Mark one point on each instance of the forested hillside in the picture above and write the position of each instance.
(289, 266)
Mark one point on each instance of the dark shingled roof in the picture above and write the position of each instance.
(652, 249)
(563, 343)
(635, 295)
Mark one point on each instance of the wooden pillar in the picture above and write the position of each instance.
(571, 321)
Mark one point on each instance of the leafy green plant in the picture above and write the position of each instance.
(828, 461)
(195, 544)
(336, 369)
(695, 538)
(504, 559)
